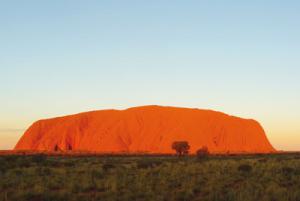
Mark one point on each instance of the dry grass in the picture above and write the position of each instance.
(237, 178)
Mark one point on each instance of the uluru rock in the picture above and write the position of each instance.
(147, 129)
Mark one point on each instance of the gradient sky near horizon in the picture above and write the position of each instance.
(61, 57)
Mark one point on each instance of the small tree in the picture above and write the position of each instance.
(181, 147)
(202, 152)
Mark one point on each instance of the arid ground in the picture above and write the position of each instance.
(164, 178)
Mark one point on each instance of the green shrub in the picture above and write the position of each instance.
(245, 168)
(97, 174)
(147, 163)
(39, 158)
(32, 196)
(263, 160)
(202, 152)
(287, 171)
(107, 166)
(44, 171)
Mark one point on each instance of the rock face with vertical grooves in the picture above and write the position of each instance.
(147, 129)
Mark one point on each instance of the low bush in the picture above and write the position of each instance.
(245, 168)
(147, 163)
(202, 153)
(108, 166)
(39, 158)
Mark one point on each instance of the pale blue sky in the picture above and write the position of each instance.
(240, 57)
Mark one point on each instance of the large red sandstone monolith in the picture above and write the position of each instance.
(149, 129)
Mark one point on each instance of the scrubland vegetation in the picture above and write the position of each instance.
(161, 178)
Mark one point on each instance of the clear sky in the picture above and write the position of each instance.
(62, 57)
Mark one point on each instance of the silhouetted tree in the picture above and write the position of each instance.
(202, 152)
(181, 147)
